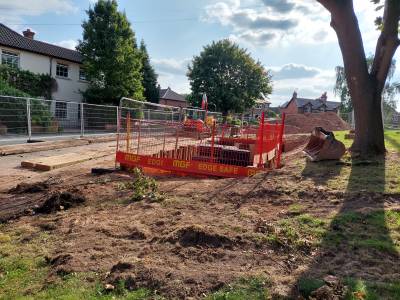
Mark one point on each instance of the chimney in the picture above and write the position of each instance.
(29, 34)
(294, 95)
(324, 97)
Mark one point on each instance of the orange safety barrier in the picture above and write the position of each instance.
(193, 147)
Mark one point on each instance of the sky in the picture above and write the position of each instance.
(291, 38)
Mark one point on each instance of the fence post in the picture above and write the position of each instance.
(117, 107)
(262, 123)
(212, 143)
(128, 131)
(118, 127)
(82, 121)
(280, 145)
(139, 136)
(28, 116)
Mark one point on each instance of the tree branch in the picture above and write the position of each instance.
(387, 44)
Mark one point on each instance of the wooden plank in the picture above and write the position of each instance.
(37, 147)
(60, 161)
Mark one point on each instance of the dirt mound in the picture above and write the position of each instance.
(166, 282)
(194, 236)
(305, 123)
(61, 201)
(60, 264)
(294, 141)
(30, 188)
(134, 276)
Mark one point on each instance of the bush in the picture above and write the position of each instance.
(233, 121)
(13, 111)
(36, 85)
(8, 90)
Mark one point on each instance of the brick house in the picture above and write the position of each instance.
(261, 105)
(298, 105)
(171, 98)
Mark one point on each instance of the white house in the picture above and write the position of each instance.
(64, 65)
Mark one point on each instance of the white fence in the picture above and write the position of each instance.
(37, 119)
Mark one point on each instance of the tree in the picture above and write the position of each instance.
(366, 86)
(149, 81)
(389, 92)
(229, 76)
(112, 61)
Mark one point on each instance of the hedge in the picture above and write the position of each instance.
(13, 112)
(36, 85)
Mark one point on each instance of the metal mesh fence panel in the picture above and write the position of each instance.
(13, 116)
(99, 119)
(54, 118)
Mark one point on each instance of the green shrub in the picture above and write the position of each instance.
(13, 113)
(231, 120)
(36, 85)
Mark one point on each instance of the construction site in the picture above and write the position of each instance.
(179, 204)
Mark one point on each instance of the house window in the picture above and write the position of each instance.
(61, 110)
(62, 70)
(10, 59)
(82, 74)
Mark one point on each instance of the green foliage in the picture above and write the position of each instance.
(151, 92)
(112, 60)
(13, 111)
(252, 288)
(308, 285)
(143, 187)
(232, 79)
(360, 289)
(231, 120)
(357, 289)
(271, 114)
(390, 91)
(36, 85)
(8, 90)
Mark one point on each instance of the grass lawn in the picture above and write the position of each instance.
(381, 175)
(392, 138)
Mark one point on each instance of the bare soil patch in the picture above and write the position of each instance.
(208, 232)
(305, 123)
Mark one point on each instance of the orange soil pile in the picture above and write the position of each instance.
(305, 123)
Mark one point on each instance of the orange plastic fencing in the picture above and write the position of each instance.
(193, 147)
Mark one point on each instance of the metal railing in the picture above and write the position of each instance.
(37, 119)
(390, 120)
(31, 118)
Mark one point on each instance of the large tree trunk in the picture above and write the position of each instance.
(369, 138)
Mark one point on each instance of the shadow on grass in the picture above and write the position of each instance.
(321, 172)
(357, 246)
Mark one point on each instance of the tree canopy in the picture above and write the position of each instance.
(149, 81)
(366, 84)
(112, 61)
(390, 90)
(229, 76)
